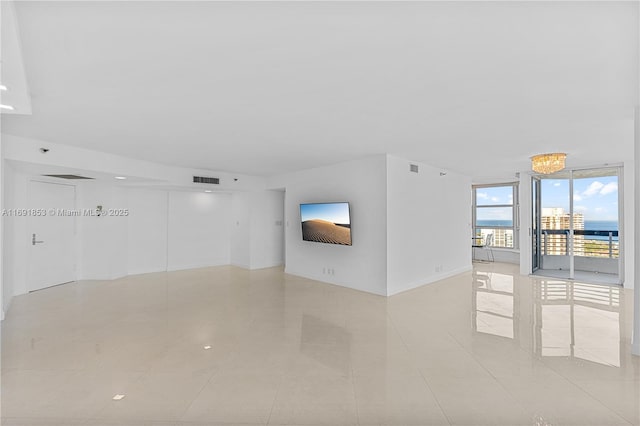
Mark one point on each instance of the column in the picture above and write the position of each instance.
(635, 343)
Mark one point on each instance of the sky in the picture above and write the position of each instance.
(492, 196)
(596, 198)
(332, 212)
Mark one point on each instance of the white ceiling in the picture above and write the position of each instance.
(268, 87)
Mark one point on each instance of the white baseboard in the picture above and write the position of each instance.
(185, 267)
(266, 266)
(324, 280)
(429, 280)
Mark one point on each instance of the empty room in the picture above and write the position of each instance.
(319, 213)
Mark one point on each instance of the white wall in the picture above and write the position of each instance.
(147, 231)
(102, 241)
(241, 229)
(629, 225)
(2, 223)
(15, 238)
(164, 230)
(362, 183)
(428, 225)
(267, 229)
(257, 236)
(199, 233)
(153, 174)
(111, 247)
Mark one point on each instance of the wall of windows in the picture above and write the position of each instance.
(495, 212)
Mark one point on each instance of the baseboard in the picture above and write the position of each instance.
(196, 266)
(146, 271)
(429, 280)
(266, 266)
(336, 283)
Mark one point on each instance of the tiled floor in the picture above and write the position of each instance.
(488, 347)
(582, 276)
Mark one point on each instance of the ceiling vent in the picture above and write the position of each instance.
(209, 180)
(69, 177)
(413, 168)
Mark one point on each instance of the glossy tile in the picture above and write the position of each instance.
(221, 346)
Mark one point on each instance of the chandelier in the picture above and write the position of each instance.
(548, 163)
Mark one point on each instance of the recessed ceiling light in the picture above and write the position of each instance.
(208, 347)
(9, 107)
(118, 397)
(207, 191)
(120, 177)
(3, 87)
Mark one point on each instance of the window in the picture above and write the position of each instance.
(495, 212)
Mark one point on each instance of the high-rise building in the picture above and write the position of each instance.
(555, 218)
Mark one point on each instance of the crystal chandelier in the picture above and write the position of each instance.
(548, 163)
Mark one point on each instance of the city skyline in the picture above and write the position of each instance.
(595, 198)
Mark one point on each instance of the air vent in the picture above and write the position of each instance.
(69, 176)
(209, 180)
(413, 168)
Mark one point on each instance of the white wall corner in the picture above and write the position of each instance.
(241, 265)
(635, 349)
(429, 280)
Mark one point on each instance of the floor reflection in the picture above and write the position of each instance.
(578, 320)
(326, 343)
(560, 319)
(493, 304)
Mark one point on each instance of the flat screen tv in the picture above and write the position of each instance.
(326, 223)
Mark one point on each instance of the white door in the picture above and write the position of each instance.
(51, 235)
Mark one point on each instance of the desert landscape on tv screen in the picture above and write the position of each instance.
(326, 223)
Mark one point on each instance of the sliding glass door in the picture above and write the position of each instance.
(535, 220)
(575, 224)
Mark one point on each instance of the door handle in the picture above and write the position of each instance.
(33, 240)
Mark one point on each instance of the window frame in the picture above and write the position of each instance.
(515, 212)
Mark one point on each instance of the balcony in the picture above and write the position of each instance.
(587, 243)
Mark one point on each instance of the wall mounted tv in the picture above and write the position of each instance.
(326, 223)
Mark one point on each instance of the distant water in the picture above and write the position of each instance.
(589, 225)
(601, 225)
(494, 223)
(594, 225)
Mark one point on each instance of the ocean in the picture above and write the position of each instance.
(591, 225)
